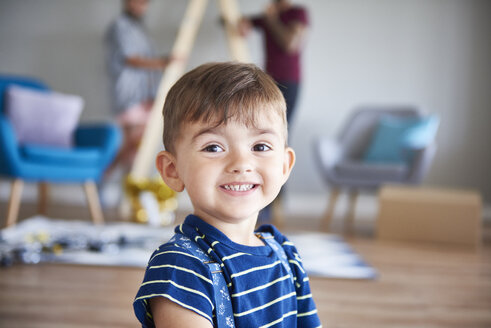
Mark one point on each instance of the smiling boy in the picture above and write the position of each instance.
(225, 137)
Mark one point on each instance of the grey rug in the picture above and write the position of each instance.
(40, 239)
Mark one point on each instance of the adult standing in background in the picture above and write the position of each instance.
(135, 71)
(284, 27)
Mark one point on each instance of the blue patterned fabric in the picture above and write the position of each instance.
(265, 290)
(223, 304)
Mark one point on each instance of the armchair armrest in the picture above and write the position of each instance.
(95, 134)
(421, 162)
(105, 136)
(9, 152)
(328, 151)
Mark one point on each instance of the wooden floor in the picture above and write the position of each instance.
(418, 286)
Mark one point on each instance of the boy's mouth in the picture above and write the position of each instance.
(239, 187)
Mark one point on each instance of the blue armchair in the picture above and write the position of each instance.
(95, 146)
(344, 165)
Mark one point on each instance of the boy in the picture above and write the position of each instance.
(225, 137)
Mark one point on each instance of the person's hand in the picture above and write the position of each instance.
(244, 26)
(271, 11)
(162, 62)
(175, 58)
(169, 59)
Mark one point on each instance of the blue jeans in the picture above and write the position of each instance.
(290, 93)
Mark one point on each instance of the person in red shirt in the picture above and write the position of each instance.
(284, 26)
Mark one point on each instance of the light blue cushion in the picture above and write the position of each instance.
(395, 138)
(422, 133)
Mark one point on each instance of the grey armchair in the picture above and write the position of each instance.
(340, 159)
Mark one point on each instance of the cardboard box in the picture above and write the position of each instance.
(423, 214)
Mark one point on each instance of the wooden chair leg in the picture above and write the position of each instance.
(94, 202)
(42, 197)
(14, 202)
(326, 220)
(350, 215)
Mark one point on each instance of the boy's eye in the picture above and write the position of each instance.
(261, 147)
(213, 149)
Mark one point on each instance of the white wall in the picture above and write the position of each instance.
(432, 53)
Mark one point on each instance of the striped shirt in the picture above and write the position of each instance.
(262, 292)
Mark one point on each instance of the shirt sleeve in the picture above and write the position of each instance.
(175, 274)
(300, 15)
(124, 38)
(257, 21)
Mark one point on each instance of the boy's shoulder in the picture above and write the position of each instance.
(280, 238)
(179, 250)
(174, 272)
(269, 229)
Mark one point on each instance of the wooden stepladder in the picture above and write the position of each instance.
(151, 140)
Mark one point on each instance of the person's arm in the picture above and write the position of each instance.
(289, 37)
(244, 26)
(167, 314)
(246, 23)
(148, 63)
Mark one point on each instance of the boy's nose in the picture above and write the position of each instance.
(239, 163)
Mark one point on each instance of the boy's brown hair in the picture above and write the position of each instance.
(217, 92)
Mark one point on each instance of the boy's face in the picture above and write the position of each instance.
(231, 171)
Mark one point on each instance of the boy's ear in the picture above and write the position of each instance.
(288, 162)
(166, 165)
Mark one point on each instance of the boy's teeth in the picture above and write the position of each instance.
(243, 187)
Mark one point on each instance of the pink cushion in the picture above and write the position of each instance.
(43, 118)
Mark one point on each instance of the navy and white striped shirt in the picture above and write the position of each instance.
(262, 292)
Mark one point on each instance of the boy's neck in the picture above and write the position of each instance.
(240, 233)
